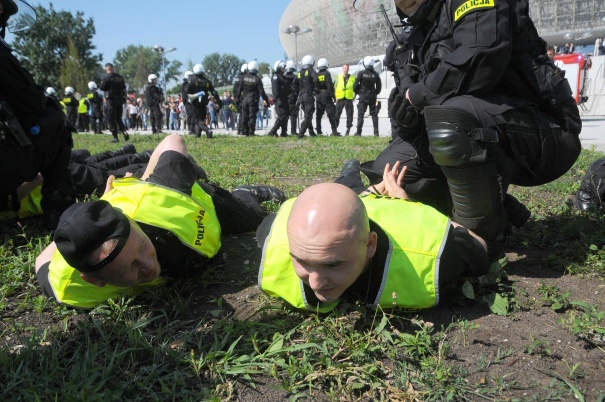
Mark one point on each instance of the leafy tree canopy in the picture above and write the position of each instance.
(136, 62)
(43, 48)
(222, 69)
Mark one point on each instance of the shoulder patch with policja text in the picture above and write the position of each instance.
(472, 5)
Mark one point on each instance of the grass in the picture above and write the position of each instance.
(216, 338)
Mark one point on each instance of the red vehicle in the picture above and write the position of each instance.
(576, 67)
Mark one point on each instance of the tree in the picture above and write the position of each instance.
(72, 72)
(136, 62)
(222, 69)
(264, 68)
(43, 48)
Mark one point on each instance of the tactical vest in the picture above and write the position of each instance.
(306, 81)
(416, 233)
(345, 90)
(322, 84)
(368, 80)
(83, 106)
(192, 219)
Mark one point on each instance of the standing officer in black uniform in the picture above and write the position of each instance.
(250, 90)
(496, 111)
(307, 79)
(35, 138)
(201, 87)
(154, 97)
(325, 97)
(293, 97)
(281, 93)
(367, 86)
(71, 106)
(238, 103)
(114, 86)
(96, 104)
(189, 109)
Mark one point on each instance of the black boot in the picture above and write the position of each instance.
(264, 193)
(516, 212)
(348, 131)
(126, 136)
(125, 150)
(312, 132)
(591, 194)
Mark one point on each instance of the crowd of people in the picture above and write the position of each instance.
(469, 119)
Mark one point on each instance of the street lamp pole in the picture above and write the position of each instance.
(295, 30)
(162, 51)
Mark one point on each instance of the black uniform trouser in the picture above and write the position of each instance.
(156, 117)
(97, 120)
(200, 117)
(293, 114)
(190, 110)
(325, 104)
(91, 176)
(83, 123)
(307, 103)
(114, 111)
(282, 113)
(531, 150)
(72, 116)
(367, 101)
(49, 155)
(249, 112)
(347, 105)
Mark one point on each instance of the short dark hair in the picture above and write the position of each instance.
(550, 48)
(108, 65)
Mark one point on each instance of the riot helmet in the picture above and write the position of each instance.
(92, 86)
(153, 79)
(50, 91)
(323, 64)
(253, 67)
(198, 69)
(244, 68)
(308, 61)
(23, 16)
(290, 66)
(69, 91)
(279, 64)
(368, 62)
(417, 13)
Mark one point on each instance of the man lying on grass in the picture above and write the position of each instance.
(166, 224)
(379, 248)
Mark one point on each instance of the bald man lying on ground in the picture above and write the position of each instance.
(330, 244)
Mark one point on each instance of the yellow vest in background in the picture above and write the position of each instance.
(345, 90)
(192, 219)
(416, 233)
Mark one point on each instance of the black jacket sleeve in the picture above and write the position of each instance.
(481, 46)
(261, 91)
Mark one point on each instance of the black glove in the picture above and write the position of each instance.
(402, 110)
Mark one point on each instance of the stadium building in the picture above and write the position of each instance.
(344, 35)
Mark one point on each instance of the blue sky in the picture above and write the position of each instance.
(248, 29)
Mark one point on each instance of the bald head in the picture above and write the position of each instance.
(330, 240)
(328, 211)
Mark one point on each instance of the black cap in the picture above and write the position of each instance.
(84, 227)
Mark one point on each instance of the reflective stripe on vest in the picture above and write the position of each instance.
(416, 233)
(30, 205)
(83, 106)
(345, 90)
(192, 220)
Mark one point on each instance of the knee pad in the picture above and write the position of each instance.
(456, 137)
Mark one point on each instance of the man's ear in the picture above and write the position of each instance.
(92, 280)
(372, 245)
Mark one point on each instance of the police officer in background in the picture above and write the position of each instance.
(154, 97)
(485, 117)
(280, 87)
(307, 79)
(293, 97)
(96, 104)
(367, 86)
(344, 97)
(198, 92)
(250, 90)
(71, 105)
(114, 86)
(325, 97)
(189, 109)
(238, 105)
(36, 138)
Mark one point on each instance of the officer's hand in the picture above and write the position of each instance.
(109, 184)
(402, 110)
